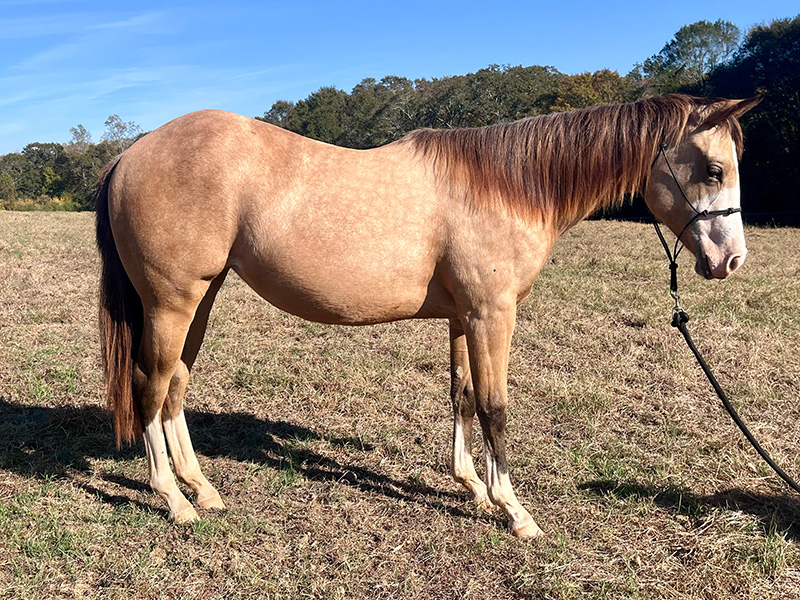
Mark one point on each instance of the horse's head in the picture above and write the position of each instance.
(704, 162)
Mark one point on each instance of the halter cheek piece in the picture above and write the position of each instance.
(698, 214)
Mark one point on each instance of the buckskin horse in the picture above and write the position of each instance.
(452, 224)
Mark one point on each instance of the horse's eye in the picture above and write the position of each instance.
(715, 172)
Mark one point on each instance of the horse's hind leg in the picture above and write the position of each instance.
(184, 459)
(463, 398)
(165, 329)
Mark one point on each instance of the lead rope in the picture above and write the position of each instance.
(680, 318)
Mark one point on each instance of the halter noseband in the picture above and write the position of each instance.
(698, 214)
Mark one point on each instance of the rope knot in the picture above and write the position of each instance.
(673, 278)
(679, 317)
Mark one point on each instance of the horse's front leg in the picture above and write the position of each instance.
(489, 340)
(462, 395)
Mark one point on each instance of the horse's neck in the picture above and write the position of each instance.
(598, 183)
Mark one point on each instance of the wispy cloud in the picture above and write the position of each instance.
(55, 56)
(77, 24)
(11, 3)
(150, 23)
(38, 27)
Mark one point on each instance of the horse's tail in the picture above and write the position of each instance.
(120, 320)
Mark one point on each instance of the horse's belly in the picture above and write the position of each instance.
(339, 294)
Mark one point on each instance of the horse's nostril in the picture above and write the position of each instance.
(734, 262)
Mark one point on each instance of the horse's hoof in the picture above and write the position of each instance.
(528, 531)
(187, 515)
(211, 503)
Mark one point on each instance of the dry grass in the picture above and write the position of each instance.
(331, 445)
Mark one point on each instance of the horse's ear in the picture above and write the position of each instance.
(721, 111)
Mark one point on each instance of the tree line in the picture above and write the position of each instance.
(52, 176)
(703, 58)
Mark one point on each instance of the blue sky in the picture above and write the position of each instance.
(65, 62)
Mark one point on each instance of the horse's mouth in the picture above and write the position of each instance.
(702, 267)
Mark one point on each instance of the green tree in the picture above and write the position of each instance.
(378, 112)
(528, 91)
(768, 63)
(443, 103)
(19, 170)
(278, 114)
(694, 52)
(83, 171)
(591, 89)
(320, 116)
(52, 184)
(8, 190)
(399, 116)
(46, 163)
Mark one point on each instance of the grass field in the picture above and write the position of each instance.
(331, 445)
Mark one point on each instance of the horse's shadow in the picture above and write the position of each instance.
(47, 442)
(776, 514)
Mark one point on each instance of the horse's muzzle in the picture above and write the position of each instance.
(721, 269)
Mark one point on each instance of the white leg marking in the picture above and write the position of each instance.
(185, 461)
(501, 493)
(463, 468)
(161, 479)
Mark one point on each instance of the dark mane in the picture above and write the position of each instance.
(561, 166)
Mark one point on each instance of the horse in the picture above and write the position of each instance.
(445, 224)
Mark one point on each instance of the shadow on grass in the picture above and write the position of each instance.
(775, 513)
(58, 442)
